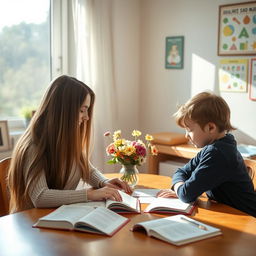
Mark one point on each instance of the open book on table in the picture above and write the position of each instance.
(128, 204)
(145, 195)
(98, 220)
(177, 230)
(170, 205)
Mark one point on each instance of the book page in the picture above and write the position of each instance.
(145, 195)
(127, 200)
(91, 203)
(102, 219)
(151, 224)
(145, 192)
(170, 203)
(176, 230)
(67, 213)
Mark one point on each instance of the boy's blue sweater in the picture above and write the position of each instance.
(219, 170)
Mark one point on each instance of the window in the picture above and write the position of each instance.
(25, 54)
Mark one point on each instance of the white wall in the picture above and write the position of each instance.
(162, 89)
(126, 33)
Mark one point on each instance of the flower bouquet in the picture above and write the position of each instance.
(129, 153)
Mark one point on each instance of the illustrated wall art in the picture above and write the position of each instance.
(252, 88)
(174, 50)
(233, 75)
(237, 29)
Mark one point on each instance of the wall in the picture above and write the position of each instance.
(126, 33)
(126, 50)
(162, 89)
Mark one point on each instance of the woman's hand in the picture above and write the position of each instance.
(166, 193)
(103, 194)
(117, 184)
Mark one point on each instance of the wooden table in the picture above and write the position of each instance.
(17, 237)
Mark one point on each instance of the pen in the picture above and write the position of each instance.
(195, 223)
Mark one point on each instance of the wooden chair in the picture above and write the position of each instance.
(4, 196)
(251, 167)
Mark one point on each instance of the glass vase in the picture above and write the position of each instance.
(129, 173)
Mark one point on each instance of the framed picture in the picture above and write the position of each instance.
(4, 136)
(233, 75)
(252, 88)
(237, 29)
(174, 50)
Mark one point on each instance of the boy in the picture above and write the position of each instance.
(218, 169)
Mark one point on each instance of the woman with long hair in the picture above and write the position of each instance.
(52, 156)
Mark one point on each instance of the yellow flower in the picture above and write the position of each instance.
(132, 152)
(119, 142)
(117, 134)
(149, 137)
(136, 133)
(129, 150)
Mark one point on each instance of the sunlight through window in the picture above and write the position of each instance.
(203, 75)
(24, 54)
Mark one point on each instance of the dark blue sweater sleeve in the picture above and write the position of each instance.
(201, 174)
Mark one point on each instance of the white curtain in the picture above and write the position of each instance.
(93, 64)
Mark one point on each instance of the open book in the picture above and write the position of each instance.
(177, 230)
(128, 204)
(170, 205)
(83, 218)
(145, 195)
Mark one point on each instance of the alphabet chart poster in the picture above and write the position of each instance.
(237, 29)
(233, 75)
(252, 93)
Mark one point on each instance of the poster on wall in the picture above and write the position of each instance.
(174, 48)
(233, 75)
(237, 29)
(252, 88)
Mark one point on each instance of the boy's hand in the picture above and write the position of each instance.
(166, 193)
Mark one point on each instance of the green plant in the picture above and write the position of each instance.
(27, 112)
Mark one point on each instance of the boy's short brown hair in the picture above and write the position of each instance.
(203, 108)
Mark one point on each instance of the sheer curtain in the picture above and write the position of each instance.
(93, 64)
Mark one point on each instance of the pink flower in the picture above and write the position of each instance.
(140, 150)
(111, 149)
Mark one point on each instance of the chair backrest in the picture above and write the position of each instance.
(4, 195)
(251, 167)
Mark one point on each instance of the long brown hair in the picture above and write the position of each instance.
(57, 140)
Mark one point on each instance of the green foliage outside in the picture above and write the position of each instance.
(24, 67)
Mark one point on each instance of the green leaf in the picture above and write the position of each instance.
(111, 161)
